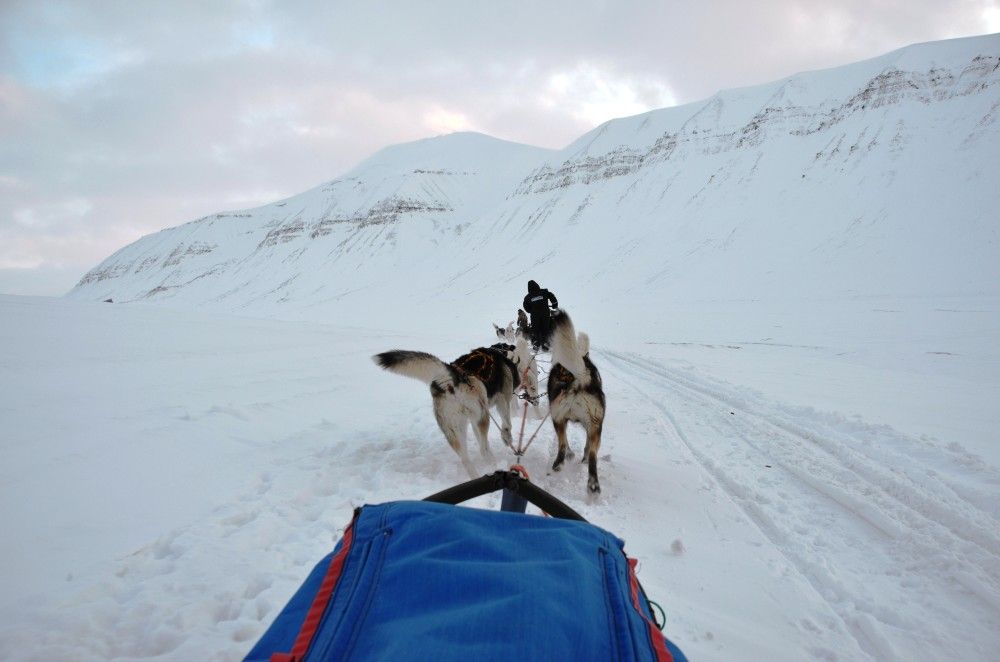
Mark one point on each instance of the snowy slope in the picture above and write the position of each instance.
(403, 206)
(168, 478)
(869, 179)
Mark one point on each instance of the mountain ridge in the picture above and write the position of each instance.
(841, 182)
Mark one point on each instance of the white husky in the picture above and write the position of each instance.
(518, 341)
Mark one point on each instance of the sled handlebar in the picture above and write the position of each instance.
(506, 480)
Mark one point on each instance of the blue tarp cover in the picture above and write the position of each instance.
(429, 581)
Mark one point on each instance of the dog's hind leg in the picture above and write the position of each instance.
(481, 428)
(560, 427)
(590, 454)
(457, 441)
(454, 429)
(503, 408)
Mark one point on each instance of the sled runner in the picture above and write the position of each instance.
(429, 580)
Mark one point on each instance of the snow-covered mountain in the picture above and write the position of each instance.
(870, 179)
(398, 207)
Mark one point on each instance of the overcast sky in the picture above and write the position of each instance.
(118, 119)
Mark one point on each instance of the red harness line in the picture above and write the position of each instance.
(522, 447)
(524, 418)
(524, 414)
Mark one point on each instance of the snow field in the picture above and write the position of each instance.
(880, 536)
(169, 479)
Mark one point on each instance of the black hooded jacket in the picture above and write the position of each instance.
(536, 303)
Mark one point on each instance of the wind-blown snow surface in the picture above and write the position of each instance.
(168, 478)
(793, 292)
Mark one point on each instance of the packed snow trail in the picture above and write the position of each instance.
(896, 558)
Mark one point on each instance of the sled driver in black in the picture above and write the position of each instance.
(536, 304)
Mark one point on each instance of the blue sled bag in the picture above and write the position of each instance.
(429, 580)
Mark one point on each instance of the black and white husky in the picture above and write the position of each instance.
(463, 392)
(575, 393)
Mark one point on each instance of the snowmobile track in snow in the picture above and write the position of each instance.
(827, 500)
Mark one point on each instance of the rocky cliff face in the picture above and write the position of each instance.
(703, 131)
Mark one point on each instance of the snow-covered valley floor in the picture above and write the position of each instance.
(168, 478)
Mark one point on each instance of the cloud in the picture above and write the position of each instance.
(52, 215)
(440, 120)
(594, 95)
(158, 113)
(991, 17)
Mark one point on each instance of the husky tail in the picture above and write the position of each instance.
(566, 350)
(418, 365)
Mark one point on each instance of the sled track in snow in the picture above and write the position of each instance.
(743, 500)
(826, 500)
(963, 518)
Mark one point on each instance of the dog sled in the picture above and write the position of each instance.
(431, 580)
